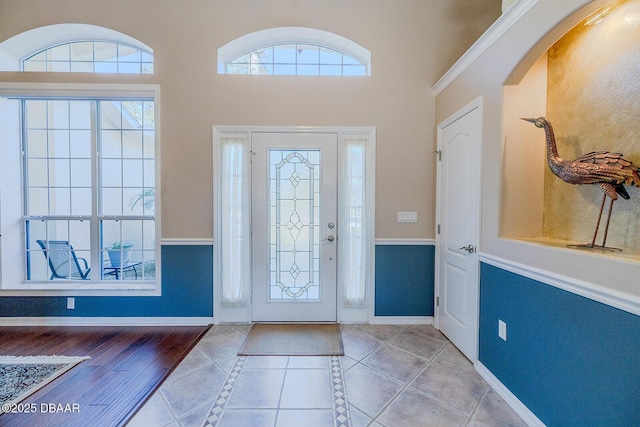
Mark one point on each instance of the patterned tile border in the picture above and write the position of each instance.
(341, 414)
(215, 414)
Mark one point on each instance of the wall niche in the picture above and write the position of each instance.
(587, 85)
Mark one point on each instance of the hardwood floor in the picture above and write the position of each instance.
(127, 364)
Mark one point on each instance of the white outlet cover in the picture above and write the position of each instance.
(502, 329)
(71, 303)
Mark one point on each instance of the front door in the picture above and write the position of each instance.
(293, 214)
(459, 141)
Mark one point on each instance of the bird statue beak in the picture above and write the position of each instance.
(528, 120)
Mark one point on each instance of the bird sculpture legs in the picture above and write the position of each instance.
(606, 230)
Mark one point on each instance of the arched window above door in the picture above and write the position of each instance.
(92, 56)
(294, 51)
(75, 48)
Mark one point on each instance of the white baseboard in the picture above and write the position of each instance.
(402, 320)
(106, 321)
(515, 403)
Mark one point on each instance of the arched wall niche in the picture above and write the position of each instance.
(584, 79)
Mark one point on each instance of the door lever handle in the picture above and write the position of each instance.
(330, 238)
(470, 248)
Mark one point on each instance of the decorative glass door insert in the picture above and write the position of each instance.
(294, 199)
(294, 237)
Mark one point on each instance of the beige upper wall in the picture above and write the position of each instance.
(412, 42)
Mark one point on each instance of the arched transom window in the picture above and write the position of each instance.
(294, 51)
(91, 57)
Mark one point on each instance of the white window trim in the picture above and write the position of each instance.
(242, 312)
(283, 35)
(11, 285)
(23, 45)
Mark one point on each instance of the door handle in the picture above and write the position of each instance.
(330, 238)
(470, 248)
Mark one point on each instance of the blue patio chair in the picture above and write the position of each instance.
(63, 261)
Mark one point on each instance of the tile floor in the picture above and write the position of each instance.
(393, 376)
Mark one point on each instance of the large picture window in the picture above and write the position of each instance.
(89, 189)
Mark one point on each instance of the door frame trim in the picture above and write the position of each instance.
(242, 313)
(478, 104)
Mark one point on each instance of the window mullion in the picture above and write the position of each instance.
(96, 241)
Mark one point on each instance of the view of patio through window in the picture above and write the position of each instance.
(89, 189)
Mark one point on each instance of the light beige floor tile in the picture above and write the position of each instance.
(194, 389)
(309, 362)
(248, 418)
(359, 418)
(296, 390)
(493, 411)
(452, 358)
(369, 390)
(307, 389)
(419, 343)
(154, 413)
(413, 409)
(357, 346)
(222, 345)
(258, 389)
(266, 362)
(194, 418)
(395, 362)
(299, 418)
(379, 332)
(194, 360)
(458, 389)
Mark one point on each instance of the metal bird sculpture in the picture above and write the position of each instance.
(607, 170)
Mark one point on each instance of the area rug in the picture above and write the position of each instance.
(21, 376)
(293, 339)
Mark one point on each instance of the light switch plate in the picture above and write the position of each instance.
(407, 216)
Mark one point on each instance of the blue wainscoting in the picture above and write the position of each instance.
(404, 280)
(571, 360)
(187, 291)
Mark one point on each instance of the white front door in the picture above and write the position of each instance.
(294, 224)
(459, 142)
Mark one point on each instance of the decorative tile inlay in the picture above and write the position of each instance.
(341, 415)
(215, 414)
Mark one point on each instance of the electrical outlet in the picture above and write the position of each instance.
(502, 329)
(71, 303)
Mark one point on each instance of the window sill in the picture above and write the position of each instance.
(83, 288)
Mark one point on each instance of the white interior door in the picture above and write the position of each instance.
(460, 145)
(294, 213)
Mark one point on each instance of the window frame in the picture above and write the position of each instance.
(11, 285)
(292, 35)
(30, 60)
(361, 309)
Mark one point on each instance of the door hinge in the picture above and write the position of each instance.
(439, 153)
(437, 301)
(438, 228)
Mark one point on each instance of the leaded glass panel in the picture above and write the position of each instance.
(294, 232)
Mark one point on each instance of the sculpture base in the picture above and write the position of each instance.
(591, 246)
